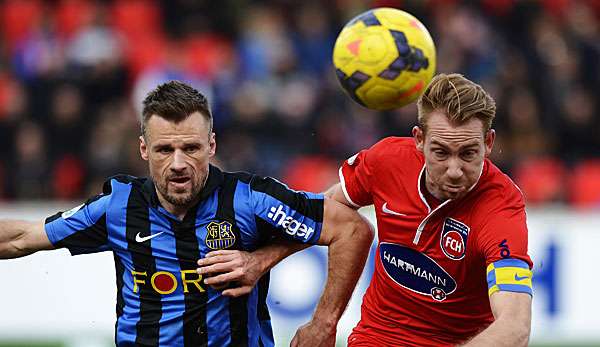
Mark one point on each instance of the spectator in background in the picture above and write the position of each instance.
(107, 149)
(95, 46)
(578, 125)
(528, 138)
(65, 121)
(30, 172)
(39, 54)
(267, 68)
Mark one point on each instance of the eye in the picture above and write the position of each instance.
(164, 150)
(440, 153)
(469, 155)
(191, 149)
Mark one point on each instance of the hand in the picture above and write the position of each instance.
(313, 334)
(226, 266)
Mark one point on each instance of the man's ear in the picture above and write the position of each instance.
(143, 148)
(419, 137)
(490, 136)
(212, 144)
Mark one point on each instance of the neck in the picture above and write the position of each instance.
(178, 211)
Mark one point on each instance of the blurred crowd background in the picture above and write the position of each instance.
(73, 74)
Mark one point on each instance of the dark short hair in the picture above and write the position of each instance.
(174, 101)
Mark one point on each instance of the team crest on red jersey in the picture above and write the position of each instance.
(454, 239)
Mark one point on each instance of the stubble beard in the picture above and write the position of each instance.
(178, 199)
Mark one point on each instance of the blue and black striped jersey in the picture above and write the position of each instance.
(161, 300)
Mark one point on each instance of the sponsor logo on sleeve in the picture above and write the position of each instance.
(504, 249)
(415, 271)
(292, 226)
(71, 212)
(454, 239)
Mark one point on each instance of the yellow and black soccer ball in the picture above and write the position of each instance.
(384, 58)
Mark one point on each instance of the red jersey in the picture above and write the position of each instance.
(430, 286)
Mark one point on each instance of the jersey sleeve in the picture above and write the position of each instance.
(281, 211)
(355, 179)
(503, 243)
(82, 229)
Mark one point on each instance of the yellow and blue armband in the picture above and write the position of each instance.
(510, 275)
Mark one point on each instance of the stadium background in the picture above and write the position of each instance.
(73, 73)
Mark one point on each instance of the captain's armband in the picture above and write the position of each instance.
(511, 275)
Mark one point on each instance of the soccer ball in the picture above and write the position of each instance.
(384, 58)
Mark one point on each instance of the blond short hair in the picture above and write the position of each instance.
(459, 98)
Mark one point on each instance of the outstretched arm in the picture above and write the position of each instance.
(21, 238)
(512, 325)
(349, 238)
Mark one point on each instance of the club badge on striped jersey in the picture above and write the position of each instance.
(454, 239)
(219, 235)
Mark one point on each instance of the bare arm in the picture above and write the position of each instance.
(21, 238)
(349, 238)
(512, 325)
(336, 193)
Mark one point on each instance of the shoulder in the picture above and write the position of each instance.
(394, 145)
(253, 181)
(238, 176)
(394, 153)
(123, 184)
(269, 186)
(385, 149)
(239, 181)
(248, 184)
(124, 179)
(497, 190)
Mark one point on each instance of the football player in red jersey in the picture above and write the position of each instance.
(451, 265)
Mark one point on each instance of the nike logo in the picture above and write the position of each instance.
(520, 278)
(385, 209)
(140, 238)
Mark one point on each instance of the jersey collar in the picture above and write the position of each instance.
(214, 180)
(421, 189)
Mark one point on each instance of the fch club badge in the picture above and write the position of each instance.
(219, 235)
(454, 239)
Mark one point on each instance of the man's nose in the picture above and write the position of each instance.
(178, 163)
(455, 171)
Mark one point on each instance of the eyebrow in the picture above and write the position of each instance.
(161, 146)
(169, 145)
(462, 147)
